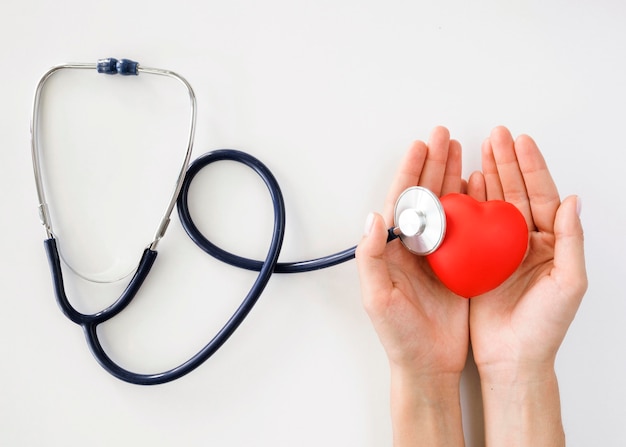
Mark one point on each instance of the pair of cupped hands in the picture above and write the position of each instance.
(425, 328)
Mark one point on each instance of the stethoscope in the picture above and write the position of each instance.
(419, 217)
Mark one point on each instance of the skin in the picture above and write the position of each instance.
(515, 330)
(421, 324)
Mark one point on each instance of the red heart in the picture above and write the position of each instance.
(484, 244)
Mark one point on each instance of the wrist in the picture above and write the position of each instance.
(430, 385)
(516, 373)
(426, 408)
(522, 406)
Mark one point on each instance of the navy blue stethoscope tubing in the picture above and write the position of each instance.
(279, 214)
(90, 322)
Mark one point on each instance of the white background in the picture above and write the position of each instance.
(329, 94)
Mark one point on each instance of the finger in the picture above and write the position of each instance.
(569, 257)
(463, 186)
(511, 178)
(408, 175)
(491, 177)
(375, 281)
(436, 160)
(476, 186)
(540, 187)
(452, 182)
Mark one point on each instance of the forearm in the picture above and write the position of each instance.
(522, 409)
(426, 411)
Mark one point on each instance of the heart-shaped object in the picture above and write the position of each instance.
(485, 243)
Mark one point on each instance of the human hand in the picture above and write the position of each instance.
(526, 318)
(423, 326)
(517, 328)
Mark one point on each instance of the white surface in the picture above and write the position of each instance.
(329, 95)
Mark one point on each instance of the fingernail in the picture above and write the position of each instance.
(579, 205)
(369, 222)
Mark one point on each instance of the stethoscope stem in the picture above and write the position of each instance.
(54, 261)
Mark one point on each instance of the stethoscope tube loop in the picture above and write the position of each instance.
(230, 258)
(90, 323)
(183, 203)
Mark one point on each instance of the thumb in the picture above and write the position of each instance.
(569, 256)
(375, 281)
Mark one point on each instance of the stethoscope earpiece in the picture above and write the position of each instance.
(420, 221)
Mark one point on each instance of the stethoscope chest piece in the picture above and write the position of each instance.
(420, 220)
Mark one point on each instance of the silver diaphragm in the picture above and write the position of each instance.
(420, 220)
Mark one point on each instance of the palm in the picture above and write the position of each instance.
(433, 322)
(420, 323)
(499, 320)
(525, 319)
